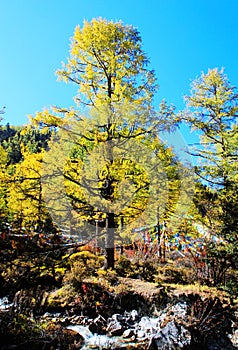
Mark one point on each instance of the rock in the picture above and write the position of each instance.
(51, 315)
(65, 339)
(115, 328)
(179, 309)
(117, 317)
(149, 325)
(234, 337)
(64, 320)
(140, 334)
(171, 337)
(77, 319)
(128, 333)
(98, 325)
(83, 331)
(5, 305)
(100, 319)
(134, 315)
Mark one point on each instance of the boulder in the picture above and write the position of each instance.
(171, 337)
(115, 328)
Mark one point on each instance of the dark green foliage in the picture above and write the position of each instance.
(220, 259)
(7, 132)
(12, 139)
(230, 284)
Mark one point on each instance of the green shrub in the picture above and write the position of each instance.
(107, 278)
(123, 266)
(78, 272)
(61, 298)
(231, 284)
(20, 326)
(144, 270)
(83, 265)
(171, 274)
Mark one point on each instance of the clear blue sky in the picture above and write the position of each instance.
(181, 37)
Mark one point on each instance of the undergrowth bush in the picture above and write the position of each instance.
(61, 298)
(76, 274)
(230, 284)
(107, 278)
(82, 265)
(144, 270)
(172, 274)
(21, 326)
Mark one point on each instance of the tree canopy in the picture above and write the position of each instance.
(114, 121)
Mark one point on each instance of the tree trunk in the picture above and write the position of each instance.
(109, 261)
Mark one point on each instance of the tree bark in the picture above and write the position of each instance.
(109, 261)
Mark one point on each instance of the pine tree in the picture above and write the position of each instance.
(212, 110)
(115, 116)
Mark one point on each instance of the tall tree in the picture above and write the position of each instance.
(116, 89)
(25, 192)
(213, 111)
